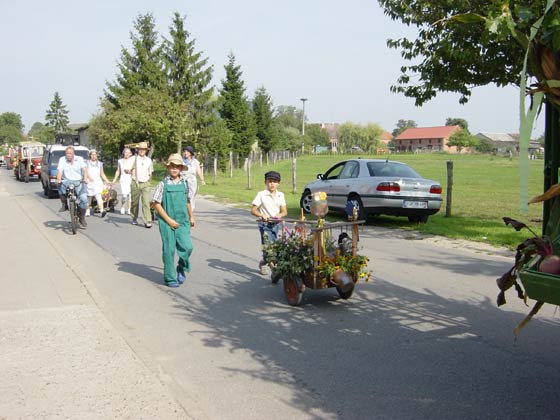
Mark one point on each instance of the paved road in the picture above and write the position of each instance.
(422, 340)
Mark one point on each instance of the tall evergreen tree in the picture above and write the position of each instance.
(235, 110)
(262, 110)
(142, 67)
(57, 115)
(189, 76)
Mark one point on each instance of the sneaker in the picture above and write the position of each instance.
(172, 284)
(122, 210)
(147, 225)
(181, 276)
(134, 222)
(263, 268)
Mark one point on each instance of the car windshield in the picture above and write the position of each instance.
(391, 169)
(57, 154)
(33, 151)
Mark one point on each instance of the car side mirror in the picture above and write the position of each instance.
(319, 176)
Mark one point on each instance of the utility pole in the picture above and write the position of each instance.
(303, 124)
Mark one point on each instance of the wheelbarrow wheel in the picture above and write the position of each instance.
(293, 290)
(345, 295)
(275, 276)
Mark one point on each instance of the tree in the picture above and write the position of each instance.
(150, 115)
(288, 116)
(57, 115)
(234, 109)
(484, 146)
(403, 125)
(42, 133)
(189, 76)
(316, 136)
(464, 44)
(262, 110)
(143, 67)
(11, 128)
(216, 140)
(366, 138)
(461, 139)
(457, 121)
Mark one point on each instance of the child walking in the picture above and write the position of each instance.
(172, 204)
(269, 204)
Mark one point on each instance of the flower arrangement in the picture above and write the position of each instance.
(291, 254)
(354, 265)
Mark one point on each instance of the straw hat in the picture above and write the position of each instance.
(175, 159)
(142, 145)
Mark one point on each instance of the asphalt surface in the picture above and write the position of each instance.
(86, 321)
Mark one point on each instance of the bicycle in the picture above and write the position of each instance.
(72, 201)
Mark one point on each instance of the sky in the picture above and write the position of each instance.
(331, 52)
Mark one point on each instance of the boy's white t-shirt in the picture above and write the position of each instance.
(268, 204)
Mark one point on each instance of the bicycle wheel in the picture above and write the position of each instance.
(73, 215)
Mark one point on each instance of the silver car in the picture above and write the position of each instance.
(376, 186)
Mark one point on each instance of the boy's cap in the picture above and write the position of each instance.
(273, 175)
(189, 148)
(175, 159)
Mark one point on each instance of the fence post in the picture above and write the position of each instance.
(294, 173)
(231, 164)
(449, 193)
(248, 163)
(215, 170)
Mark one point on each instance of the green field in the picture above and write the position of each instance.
(485, 189)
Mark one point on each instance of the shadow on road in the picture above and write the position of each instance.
(388, 352)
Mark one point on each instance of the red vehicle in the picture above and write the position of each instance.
(28, 160)
(10, 157)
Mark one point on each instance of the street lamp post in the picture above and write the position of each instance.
(303, 124)
(303, 117)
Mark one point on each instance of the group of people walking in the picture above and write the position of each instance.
(172, 200)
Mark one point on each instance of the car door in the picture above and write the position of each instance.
(343, 184)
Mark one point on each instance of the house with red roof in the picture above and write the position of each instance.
(427, 139)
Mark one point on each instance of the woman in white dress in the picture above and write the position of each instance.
(96, 176)
(123, 173)
(193, 170)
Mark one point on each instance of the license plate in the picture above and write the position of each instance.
(415, 204)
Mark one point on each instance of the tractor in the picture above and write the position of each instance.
(28, 160)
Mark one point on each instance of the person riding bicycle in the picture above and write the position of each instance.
(73, 170)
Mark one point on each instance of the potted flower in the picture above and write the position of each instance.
(291, 255)
(343, 268)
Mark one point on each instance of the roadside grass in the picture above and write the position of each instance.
(485, 189)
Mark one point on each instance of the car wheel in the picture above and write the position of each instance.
(50, 193)
(305, 201)
(356, 201)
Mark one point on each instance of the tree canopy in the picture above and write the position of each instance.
(142, 67)
(457, 121)
(403, 125)
(467, 43)
(11, 128)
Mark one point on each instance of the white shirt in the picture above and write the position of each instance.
(268, 204)
(143, 169)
